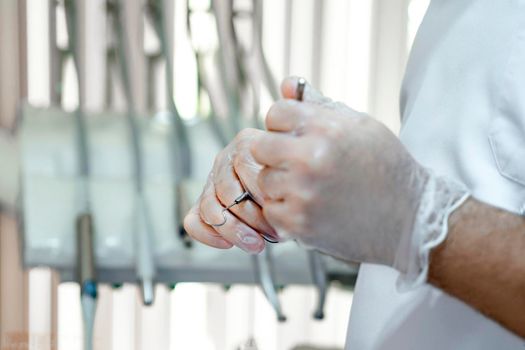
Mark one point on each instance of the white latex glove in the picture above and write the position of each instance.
(234, 171)
(340, 181)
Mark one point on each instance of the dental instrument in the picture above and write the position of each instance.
(244, 196)
(301, 84)
(145, 261)
(318, 269)
(241, 198)
(230, 69)
(205, 57)
(87, 278)
(182, 162)
(84, 222)
(265, 273)
(254, 57)
(179, 145)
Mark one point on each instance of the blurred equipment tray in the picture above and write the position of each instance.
(49, 203)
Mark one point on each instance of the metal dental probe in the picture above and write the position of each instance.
(244, 196)
(84, 222)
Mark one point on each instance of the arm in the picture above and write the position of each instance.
(339, 181)
(482, 262)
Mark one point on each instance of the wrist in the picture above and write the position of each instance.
(439, 200)
(438, 255)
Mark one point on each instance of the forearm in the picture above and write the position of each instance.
(482, 263)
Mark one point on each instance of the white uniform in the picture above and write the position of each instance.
(463, 110)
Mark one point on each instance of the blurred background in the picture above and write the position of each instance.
(215, 63)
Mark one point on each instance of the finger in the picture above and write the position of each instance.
(228, 189)
(226, 224)
(289, 115)
(289, 88)
(247, 172)
(280, 150)
(203, 233)
(245, 166)
(310, 95)
(278, 215)
(275, 183)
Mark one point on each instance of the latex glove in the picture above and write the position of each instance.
(340, 181)
(234, 171)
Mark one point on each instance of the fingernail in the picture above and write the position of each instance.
(267, 229)
(249, 241)
(271, 238)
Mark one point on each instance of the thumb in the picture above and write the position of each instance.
(311, 95)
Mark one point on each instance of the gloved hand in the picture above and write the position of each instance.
(234, 171)
(340, 181)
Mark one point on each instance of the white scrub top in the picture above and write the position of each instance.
(463, 111)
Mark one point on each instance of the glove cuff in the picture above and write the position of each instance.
(440, 197)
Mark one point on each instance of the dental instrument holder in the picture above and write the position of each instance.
(48, 183)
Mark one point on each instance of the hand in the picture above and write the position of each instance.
(234, 171)
(341, 182)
